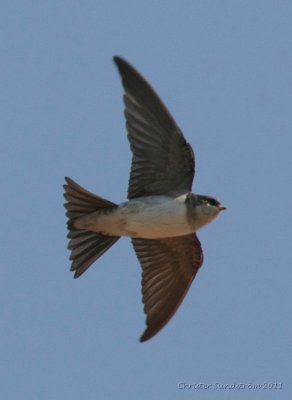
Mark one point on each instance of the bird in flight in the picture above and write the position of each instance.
(161, 216)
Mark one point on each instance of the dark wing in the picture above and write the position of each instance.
(169, 266)
(163, 162)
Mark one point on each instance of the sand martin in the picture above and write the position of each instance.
(161, 215)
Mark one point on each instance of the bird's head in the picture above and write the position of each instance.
(202, 209)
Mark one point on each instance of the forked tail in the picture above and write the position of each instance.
(86, 246)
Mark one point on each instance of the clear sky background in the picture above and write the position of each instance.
(224, 69)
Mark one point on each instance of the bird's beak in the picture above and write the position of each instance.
(221, 208)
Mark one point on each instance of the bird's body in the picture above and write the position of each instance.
(150, 217)
(161, 215)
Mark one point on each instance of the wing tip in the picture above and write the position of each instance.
(146, 336)
(119, 61)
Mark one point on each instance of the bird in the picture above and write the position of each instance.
(161, 215)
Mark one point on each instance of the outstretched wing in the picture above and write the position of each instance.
(163, 162)
(169, 266)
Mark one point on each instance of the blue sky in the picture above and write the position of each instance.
(224, 71)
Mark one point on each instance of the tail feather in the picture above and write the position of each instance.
(81, 202)
(83, 256)
(86, 246)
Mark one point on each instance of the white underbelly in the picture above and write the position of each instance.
(151, 218)
(155, 222)
(158, 217)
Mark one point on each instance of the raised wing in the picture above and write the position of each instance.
(163, 162)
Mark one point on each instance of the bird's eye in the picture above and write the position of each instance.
(212, 202)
